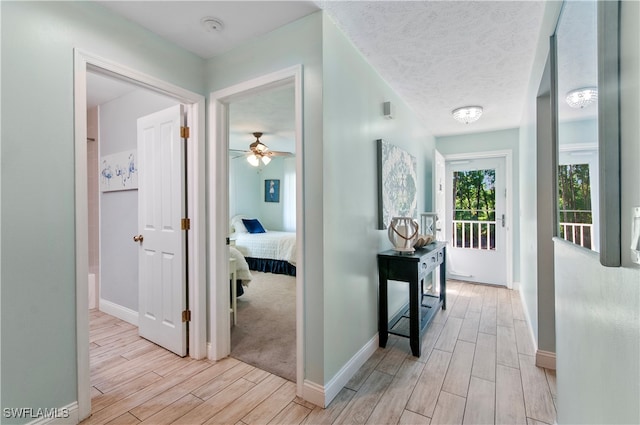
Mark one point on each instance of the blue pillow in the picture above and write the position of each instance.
(253, 225)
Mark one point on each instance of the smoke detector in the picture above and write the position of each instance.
(212, 24)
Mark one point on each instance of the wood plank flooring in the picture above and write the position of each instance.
(477, 367)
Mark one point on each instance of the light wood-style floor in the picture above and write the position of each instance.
(477, 367)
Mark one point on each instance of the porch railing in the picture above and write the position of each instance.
(474, 234)
(576, 226)
(578, 233)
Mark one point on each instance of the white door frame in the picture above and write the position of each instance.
(195, 105)
(219, 210)
(508, 156)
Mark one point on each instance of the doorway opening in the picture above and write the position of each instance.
(262, 189)
(85, 64)
(222, 230)
(477, 218)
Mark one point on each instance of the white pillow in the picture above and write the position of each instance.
(237, 226)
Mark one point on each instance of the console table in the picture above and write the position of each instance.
(413, 268)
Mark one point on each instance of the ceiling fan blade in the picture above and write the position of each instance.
(279, 153)
(240, 154)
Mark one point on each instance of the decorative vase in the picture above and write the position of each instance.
(403, 233)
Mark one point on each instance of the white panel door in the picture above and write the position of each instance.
(161, 200)
(475, 220)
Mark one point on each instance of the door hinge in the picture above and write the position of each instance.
(186, 316)
(185, 223)
(184, 132)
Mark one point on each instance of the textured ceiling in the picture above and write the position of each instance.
(577, 56)
(441, 55)
(437, 55)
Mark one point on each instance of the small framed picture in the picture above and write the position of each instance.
(271, 190)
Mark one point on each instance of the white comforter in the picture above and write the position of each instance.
(272, 245)
(242, 268)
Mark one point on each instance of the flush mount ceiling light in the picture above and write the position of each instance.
(467, 114)
(580, 98)
(212, 24)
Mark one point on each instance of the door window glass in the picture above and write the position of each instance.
(474, 215)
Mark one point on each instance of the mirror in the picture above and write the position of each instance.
(577, 125)
(587, 130)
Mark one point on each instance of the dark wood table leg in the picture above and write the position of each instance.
(383, 312)
(414, 316)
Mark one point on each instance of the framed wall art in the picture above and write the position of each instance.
(271, 190)
(397, 184)
(119, 171)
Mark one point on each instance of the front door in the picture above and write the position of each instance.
(161, 207)
(475, 220)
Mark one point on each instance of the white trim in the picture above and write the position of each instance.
(195, 103)
(546, 359)
(72, 418)
(578, 147)
(313, 393)
(347, 371)
(219, 211)
(121, 312)
(323, 395)
(507, 154)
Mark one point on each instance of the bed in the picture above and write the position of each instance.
(267, 250)
(243, 274)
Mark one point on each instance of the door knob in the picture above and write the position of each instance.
(138, 238)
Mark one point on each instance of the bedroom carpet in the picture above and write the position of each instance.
(265, 335)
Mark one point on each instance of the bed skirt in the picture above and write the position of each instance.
(271, 266)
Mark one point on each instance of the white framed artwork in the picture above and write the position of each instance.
(119, 171)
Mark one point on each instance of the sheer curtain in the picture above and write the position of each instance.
(289, 195)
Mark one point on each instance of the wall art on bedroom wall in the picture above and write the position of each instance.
(272, 190)
(397, 184)
(119, 171)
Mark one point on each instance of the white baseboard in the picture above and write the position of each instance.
(66, 415)
(314, 393)
(546, 359)
(322, 396)
(116, 310)
(515, 285)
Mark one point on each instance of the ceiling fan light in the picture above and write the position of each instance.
(467, 114)
(266, 160)
(261, 148)
(580, 98)
(253, 160)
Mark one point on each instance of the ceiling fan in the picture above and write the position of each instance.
(258, 151)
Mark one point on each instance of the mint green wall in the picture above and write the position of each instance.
(38, 271)
(578, 132)
(353, 120)
(598, 308)
(493, 141)
(244, 188)
(246, 191)
(299, 43)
